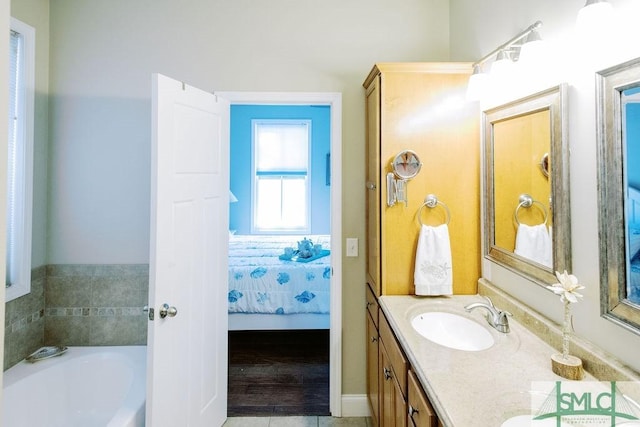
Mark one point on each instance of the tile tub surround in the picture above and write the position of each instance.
(24, 321)
(96, 304)
(78, 305)
(474, 388)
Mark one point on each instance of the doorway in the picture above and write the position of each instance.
(334, 101)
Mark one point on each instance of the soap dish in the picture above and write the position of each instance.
(45, 353)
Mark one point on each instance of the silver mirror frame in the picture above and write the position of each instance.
(610, 83)
(554, 100)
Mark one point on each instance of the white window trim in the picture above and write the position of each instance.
(22, 284)
(292, 231)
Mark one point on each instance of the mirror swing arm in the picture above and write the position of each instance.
(612, 198)
(555, 164)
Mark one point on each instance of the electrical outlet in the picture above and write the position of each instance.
(352, 246)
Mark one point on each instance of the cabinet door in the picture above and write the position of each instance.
(397, 362)
(372, 306)
(373, 190)
(420, 412)
(393, 406)
(400, 412)
(373, 370)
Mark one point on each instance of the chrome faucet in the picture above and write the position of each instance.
(496, 317)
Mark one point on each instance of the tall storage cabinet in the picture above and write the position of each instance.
(422, 107)
(373, 183)
(419, 107)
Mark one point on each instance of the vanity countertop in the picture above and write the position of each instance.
(475, 388)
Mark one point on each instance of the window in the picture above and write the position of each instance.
(20, 158)
(281, 176)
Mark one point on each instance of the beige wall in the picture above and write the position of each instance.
(102, 57)
(479, 27)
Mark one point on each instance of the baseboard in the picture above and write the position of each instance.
(355, 405)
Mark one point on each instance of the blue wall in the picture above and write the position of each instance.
(240, 176)
(633, 145)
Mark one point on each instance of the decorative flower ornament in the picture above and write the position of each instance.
(566, 365)
(567, 287)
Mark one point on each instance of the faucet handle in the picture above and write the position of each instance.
(503, 314)
(489, 301)
(502, 322)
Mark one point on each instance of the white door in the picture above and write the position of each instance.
(187, 349)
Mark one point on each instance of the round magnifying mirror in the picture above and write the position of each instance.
(406, 164)
(544, 164)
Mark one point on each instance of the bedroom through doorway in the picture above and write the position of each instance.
(282, 258)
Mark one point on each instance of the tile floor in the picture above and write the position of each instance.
(298, 422)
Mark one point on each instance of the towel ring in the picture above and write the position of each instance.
(526, 201)
(431, 201)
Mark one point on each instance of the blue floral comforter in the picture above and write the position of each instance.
(260, 282)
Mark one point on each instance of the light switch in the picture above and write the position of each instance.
(352, 246)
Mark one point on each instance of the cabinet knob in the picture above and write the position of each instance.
(412, 411)
(374, 339)
(371, 185)
(387, 373)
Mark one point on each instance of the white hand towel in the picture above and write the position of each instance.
(433, 262)
(534, 242)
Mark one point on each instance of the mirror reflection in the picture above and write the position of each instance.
(522, 190)
(631, 153)
(618, 116)
(527, 217)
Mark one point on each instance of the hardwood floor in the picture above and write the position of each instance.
(274, 373)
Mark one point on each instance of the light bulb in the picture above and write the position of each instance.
(595, 18)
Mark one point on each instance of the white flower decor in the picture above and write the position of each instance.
(567, 289)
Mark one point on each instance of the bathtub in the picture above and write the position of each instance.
(86, 386)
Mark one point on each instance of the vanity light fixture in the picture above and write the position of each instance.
(594, 17)
(504, 55)
(532, 50)
(503, 64)
(478, 83)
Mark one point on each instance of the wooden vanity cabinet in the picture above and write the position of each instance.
(373, 366)
(393, 405)
(373, 185)
(420, 413)
(395, 395)
(404, 111)
(393, 381)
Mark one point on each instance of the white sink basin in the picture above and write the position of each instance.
(453, 331)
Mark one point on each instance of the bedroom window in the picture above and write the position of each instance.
(20, 158)
(281, 176)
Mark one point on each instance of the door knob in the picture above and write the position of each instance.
(165, 311)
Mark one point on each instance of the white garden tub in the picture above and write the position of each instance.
(84, 387)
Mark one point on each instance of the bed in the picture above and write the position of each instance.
(633, 209)
(269, 293)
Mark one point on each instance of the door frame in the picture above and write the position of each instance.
(334, 101)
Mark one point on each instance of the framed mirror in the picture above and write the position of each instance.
(526, 181)
(618, 125)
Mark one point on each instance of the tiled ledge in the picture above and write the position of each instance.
(596, 361)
